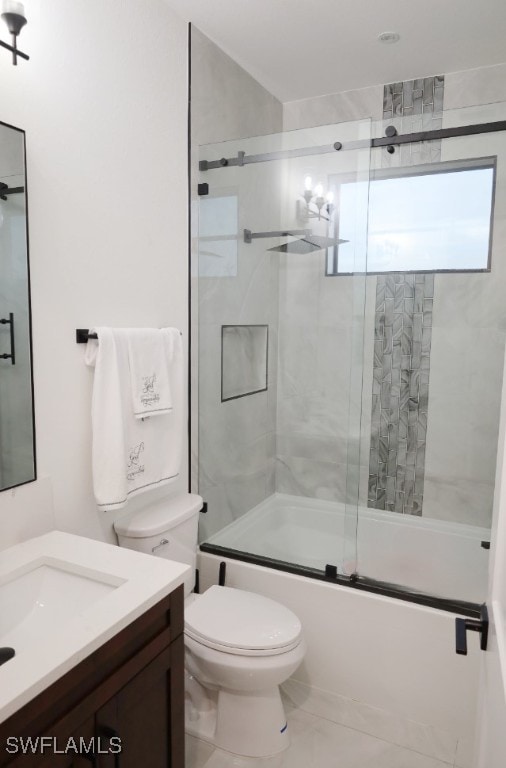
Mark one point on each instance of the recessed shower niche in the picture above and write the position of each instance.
(244, 360)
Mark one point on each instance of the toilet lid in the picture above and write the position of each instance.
(237, 620)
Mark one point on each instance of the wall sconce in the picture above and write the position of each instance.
(13, 13)
(316, 204)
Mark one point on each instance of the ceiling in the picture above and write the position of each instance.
(303, 48)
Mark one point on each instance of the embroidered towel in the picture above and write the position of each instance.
(150, 352)
(130, 455)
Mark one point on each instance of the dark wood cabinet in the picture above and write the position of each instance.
(122, 707)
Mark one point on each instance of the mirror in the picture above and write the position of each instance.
(17, 436)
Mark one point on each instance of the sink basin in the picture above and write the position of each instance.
(63, 596)
(37, 602)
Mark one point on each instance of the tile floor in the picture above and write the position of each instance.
(317, 743)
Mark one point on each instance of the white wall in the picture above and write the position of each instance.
(104, 104)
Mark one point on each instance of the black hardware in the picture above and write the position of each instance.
(12, 355)
(360, 583)
(15, 23)
(196, 588)
(223, 162)
(390, 131)
(240, 158)
(385, 141)
(15, 52)
(485, 544)
(203, 189)
(338, 146)
(475, 625)
(390, 149)
(6, 190)
(6, 654)
(222, 574)
(204, 507)
(109, 733)
(331, 571)
(249, 236)
(83, 334)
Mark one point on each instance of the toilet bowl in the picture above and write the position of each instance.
(239, 646)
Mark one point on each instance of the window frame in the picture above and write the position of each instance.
(447, 166)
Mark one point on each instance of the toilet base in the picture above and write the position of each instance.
(247, 724)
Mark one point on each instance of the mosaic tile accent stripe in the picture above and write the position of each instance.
(414, 105)
(403, 328)
(400, 396)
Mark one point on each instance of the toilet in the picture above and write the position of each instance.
(239, 646)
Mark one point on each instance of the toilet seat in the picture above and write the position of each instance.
(244, 623)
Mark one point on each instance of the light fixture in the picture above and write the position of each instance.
(389, 37)
(316, 203)
(13, 13)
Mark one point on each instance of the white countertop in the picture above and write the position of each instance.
(140, 581)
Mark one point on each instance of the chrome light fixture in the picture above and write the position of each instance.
(316, 205)
(13, 13)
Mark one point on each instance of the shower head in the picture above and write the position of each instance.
(308, 244)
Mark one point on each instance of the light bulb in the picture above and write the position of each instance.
(330, 197)
(318, 190)
(308, 183)
(11, 6)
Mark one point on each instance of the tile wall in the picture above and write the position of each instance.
(233, 442)
(403, 327)
(400, 395)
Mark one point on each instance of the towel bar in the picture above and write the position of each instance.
(83, 334)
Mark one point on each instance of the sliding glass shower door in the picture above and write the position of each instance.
(280, 346)
(435, 333)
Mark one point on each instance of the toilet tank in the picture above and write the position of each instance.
(166, 528)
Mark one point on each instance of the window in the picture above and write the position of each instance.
(420, 219)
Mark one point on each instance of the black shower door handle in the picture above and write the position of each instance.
(12, 355)
(475, 625)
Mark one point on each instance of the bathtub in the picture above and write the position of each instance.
(418, 554)
(380, 665)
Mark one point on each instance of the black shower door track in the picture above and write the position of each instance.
(360, 583)
(385, 141)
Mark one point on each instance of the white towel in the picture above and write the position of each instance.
(130, 455)
(150, 353)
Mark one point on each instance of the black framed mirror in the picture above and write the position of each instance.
(17, 428)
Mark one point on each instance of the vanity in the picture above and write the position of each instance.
(98, 674)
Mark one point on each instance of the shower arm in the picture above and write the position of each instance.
(249, 236)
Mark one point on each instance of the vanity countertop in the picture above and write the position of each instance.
(63, 596)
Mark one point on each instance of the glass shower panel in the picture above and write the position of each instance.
(433, 360)
(280, 350)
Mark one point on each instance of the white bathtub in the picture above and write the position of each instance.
(416, 553)
(383, 666)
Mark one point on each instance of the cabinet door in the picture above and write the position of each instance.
(147, 715)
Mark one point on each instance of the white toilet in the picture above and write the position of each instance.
(240, 646)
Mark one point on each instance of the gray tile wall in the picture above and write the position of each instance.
(233, 443)
(400, 396)
(403, 328)
(411, 106)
